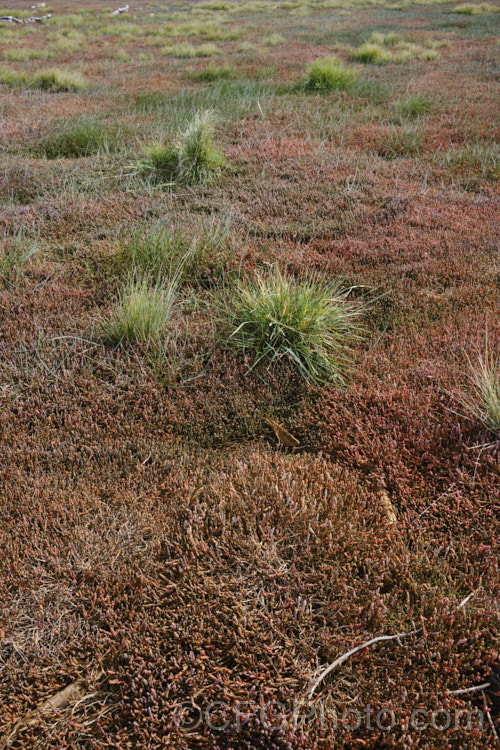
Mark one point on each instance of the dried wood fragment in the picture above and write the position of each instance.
(283, 435)
(64, 698)
(388, 508)
(341, 659)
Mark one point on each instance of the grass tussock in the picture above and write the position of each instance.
(82, 137)
(381, 49)
(413, 105)
(14, 257)
(142, 313)
(308, 322)
(193, 159)
(401, 143)
(186, 51)
(329, 74)
(213, 73)
(53, 79)
(473, 9)
(482, 399)
(198, 253)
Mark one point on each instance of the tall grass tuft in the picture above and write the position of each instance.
(193, 159)
(142, 313)
(308, 322)
(482, 399)
(329, 74)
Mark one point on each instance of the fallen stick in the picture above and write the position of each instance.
(65, 697)
(472, 689)
(490, 720)
(341, 659)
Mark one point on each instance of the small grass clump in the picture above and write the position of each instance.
(213, 73)
(475, 159)
(329, 74)
(193, 159)
(401, 144)
(413, 105)
(46, 80)
(22, 54)
(74, 139)
(185, 51)
(142, 312)
(472, 9)
(372, 54)
(198, 253)
(482, 399)
(308, 322)
(381, 49)
(14, 258)
(58, 80)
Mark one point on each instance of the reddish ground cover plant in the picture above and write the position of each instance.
(173, 575)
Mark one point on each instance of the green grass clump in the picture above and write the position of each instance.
(475, 159)
(413, 105)
(471, 9)
(57, 80)
(381, 49)
(198, 253)
(372, 54)
(213, 73)
(82, 137)
(21, 54)
(482, 399)
(142, 313)
(14, 258)
(308, 322)
(46, 80)
(160, 164)
(401, 144)
(189, 50)
(329, 74)
(193, 159)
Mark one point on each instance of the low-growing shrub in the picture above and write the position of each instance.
(329, 74)
(142, 312)
(308, 322)
(193, 159)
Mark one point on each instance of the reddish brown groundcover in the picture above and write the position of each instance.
(185, 577)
